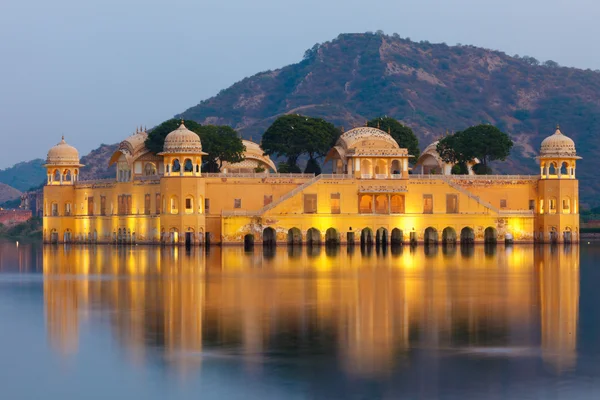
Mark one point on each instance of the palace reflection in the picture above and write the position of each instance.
(367, 309)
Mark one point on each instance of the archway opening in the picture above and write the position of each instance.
(467, 235)
(431, 236)
(176, 165)
(332, 237)
(366, 169)
(381, 237)
(294, 236)
(490, 235)
(269, 237)
(366, 237)
(567, 236)
(397, 236)
(248, 240)
(396, 167)
(188, 166)
(449, 235)
(313, 237)
(381, 204)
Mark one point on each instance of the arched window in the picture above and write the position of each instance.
(149, 169)
(541, 206)
(552, 169)
(67, 175)
(552, 206)
(174, 206)
(56, 175)
(396, 167)
(176, 166)
(189, 205)
(566, 205)
(564, 169)
(188, 166)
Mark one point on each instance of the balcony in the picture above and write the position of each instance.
(366, 176)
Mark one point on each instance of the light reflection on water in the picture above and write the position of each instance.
(309, 322)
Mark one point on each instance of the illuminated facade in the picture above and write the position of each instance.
(369, 198)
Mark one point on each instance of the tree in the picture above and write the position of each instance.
(290, 136)
(220, 142)
(483, 142)
(402, 134)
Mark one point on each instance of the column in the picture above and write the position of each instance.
(389, 200)
(372, 204)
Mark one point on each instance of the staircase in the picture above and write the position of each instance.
(289, 194)
(466, 192)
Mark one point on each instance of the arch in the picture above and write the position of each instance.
(67, 176)
(269, 236)
(248, 240)
(381, 167)
(188, 165)
(449, 235)
(366, 204)
(175, 165)
(467, 235)
(294, 236)
(67, 236)
(381, 204)
(381, 237)
(397, 236)
(396, 167)
(552, 206)
(430, 236)
(149, 169)
(568, 235)
(56, 175)
(174, 205)
(332, 237)
(366, 237)
(490, 235)
(313, 236)
(366, 168)
(189, 204)
(564, 168)
(552, 169)
(397, 204)
(566, 205)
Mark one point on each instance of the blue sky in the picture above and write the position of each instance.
(94, 70)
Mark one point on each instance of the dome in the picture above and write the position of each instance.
(558, 145)
(62, 154)
(380, 138)
(254, 157)
(182, 140)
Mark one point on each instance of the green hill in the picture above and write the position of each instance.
(24, 175)
(430, 87)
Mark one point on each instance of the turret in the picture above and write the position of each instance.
(182, 153)
(62, 164)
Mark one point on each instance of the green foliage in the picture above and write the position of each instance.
(481, 169)
(259, 169)
(460, 169)
(484, 142)
(312, 167)
(290, 136)
(402, 134)
(28, 229)
(222, 143)
(11, 204)
(286, 168)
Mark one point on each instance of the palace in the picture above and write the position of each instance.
(372, 196)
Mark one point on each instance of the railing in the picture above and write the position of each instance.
(381, 176)
(147, 178)
(337, 176)
(366, 176)
(93, 181)
(255, 175)
(396, 176)
(516, 212)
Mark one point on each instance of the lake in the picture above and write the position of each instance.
(471, 322)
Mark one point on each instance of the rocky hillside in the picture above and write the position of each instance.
(8, 193)
(96, 163)
(430, 87)
(24, 175)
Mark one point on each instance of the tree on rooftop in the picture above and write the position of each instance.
(402, 134)
(483, 142)
(222, 143)
(291, 136)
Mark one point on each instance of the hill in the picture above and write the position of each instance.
(430, 87)
(8, 193)
(24, 175)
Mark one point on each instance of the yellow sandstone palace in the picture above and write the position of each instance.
(369, 198)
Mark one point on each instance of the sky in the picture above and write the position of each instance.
(93, 70)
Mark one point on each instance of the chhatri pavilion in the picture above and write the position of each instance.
(372, 196)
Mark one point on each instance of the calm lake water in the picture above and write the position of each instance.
(144, 322)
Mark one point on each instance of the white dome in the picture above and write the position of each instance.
(62, 154)
(558, 145)
(182, 140)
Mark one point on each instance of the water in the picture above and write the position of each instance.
(454, 323)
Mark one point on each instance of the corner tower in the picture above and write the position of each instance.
(558, 190)
(182, 190)
(62, 166)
